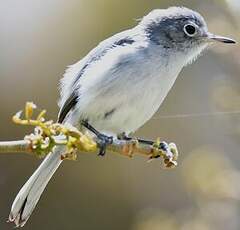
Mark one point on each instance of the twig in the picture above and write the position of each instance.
(122, 147)
(21, 146)
(47, 135)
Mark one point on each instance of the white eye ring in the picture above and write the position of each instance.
(190, 30)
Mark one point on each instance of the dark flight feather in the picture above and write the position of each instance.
(71, 102)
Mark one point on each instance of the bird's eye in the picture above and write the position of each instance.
(190, 30)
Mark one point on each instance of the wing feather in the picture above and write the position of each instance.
(69, 85)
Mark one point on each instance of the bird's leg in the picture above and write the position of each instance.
(123, 136)
(162, 145)
(103, 140)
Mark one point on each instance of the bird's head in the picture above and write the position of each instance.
(179, 29)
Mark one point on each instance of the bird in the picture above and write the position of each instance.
(120, 84)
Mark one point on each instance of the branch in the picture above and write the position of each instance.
(21, 146)
(47, 135)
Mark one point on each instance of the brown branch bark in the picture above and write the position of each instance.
(19, 146)
(122, 147)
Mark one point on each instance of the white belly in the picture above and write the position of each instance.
(123, 98)
(125, 108)
(135, 110)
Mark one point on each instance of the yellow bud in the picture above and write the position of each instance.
(29, 107)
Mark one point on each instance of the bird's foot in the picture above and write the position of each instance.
(163, 146)
(102, 140)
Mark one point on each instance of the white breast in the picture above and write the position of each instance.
(124, 97)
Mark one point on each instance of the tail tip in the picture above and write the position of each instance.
(16, 214)
(17, 220)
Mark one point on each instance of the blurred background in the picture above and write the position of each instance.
(40, 38)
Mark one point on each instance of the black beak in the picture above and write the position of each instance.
(218, 38)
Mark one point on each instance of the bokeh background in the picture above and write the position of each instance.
(38, 39)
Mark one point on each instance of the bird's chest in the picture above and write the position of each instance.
(142, 103)
(128, 95)
(126, 105)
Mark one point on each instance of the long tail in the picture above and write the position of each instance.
(30, 193)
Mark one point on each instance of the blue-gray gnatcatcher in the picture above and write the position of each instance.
(120, 84)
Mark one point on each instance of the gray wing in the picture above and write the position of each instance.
(72, 98)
